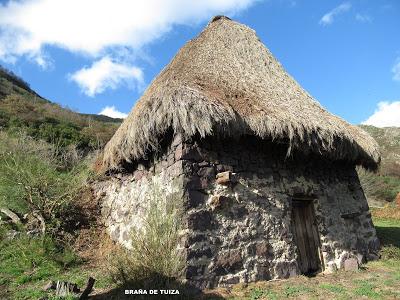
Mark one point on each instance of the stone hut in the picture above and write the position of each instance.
(265, 174)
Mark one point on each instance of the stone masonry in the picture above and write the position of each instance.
(237, 195)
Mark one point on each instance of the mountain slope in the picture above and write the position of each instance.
(385, 184)
(388, 139)
(21, 108)
(12, 84)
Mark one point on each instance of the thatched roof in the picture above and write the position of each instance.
(226, 80)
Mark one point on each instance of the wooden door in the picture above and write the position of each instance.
(306, 236)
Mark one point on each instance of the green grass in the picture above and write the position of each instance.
(334, 288)
(52, 123)
(258, 293)
(25, 260)
(368, 289)
(31, 262)
(388, 231)
(297, 290)
(27, 264)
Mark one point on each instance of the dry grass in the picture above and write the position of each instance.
(226, 81)
(390, 211)
(377, 281)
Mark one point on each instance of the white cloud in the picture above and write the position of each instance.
(363, 18)
(111, 111)
(96, 27)
(396, 70)
(329, 17)
(387, 114)
(105, 74)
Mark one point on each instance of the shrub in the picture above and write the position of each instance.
(35, 178)
(154, 257)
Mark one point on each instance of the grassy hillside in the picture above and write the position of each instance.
(21, 109)
(389, 142)
(12, 84)
(385, 184)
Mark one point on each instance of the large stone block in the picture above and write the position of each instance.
(228, 262)
(200, 220)
(194, 198)
(351, 264)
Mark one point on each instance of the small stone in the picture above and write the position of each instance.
(177, 140)
(51, 285)
(331, 268)
(192, 154)
(203, 164)
(218, 202)
(178, 153)
(262, 248)
(229, 280)
(12, 234)
(138, 175)
(225, 178)
(351, 264)
(34, 232)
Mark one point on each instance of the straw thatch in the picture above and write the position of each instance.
(226, 80)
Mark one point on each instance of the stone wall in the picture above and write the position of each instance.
(238, 229)
(124, 196)
(241, 231)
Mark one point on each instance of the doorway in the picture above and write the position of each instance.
(306, 236)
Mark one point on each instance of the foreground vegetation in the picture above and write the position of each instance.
(41, 183)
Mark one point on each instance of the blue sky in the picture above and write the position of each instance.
(90, 55)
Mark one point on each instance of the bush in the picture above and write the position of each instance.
(38, 178)
(154, 258)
